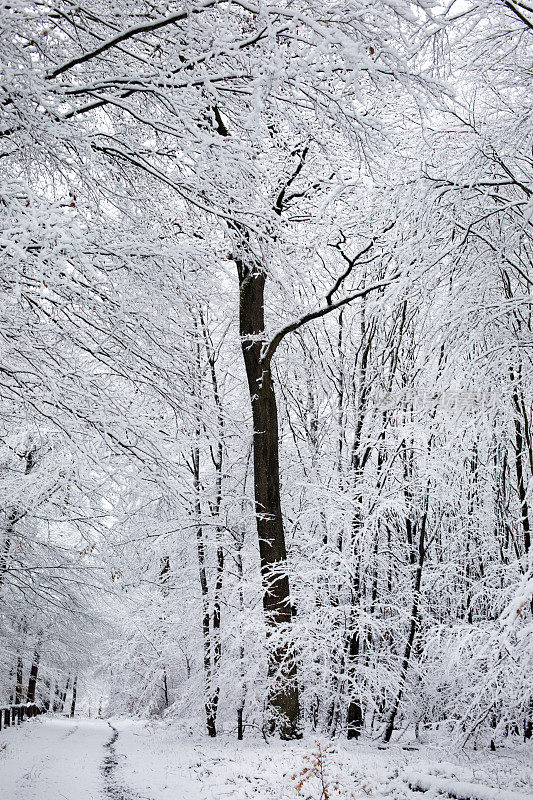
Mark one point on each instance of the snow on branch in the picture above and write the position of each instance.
(147, 27)
(272, 346)
(460, 790)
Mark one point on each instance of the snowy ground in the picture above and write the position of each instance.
(84, 759)
(52, 759)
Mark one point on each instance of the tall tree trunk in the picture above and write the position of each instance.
(354, 716)
(239, 536)
(47, 694)
(240, 708)
(413, 625)
(210, 623)
(18, 685)
(210, 713)
(471, 544)
(6, 545)
(520, 477)
(34, 671)
(521, 431)
(56, 702)
(63, 696)
(284, 698)
(334, 573)
(354, 719)
(218, 461)
(74, 696)
(164, 575)
(13, 517)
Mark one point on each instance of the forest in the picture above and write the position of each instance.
(266, 333)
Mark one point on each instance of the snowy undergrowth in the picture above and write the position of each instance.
(155, 760)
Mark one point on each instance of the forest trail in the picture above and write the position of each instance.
(70, 759)
(53, 759)
(92, 759)
(113, 788)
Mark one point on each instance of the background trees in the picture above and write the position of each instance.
(265, 404)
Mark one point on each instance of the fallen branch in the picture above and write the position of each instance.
(459, 790)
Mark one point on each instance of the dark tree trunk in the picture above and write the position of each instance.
(216, 641)
(32, 682)
(239, 542)
(413, 627)
(360, 454)
(521, 437)
(520, 478)
(12, 518)
(284, 699)
(63, 696)
(164, 576)
(74, 695)
(18, 685)
(210, 621)
(210, 711)
(239, 724)
(47, 694)
(354, 716)
(472, 504)
(6, 546)
(56, 703)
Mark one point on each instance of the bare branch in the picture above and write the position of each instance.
(148, 27)
(352, 261)
(270, 348)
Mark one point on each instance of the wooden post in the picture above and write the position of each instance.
(17, 714)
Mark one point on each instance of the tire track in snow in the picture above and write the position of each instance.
(71, 732)
(112, 789)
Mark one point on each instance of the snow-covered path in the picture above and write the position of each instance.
(54, 759)
(90, 759)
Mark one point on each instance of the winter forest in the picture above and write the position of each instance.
(266, 410)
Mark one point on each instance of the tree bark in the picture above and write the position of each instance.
(6, 546)
(284, 698)
(218, 461)
(520, 478)
(18, 686)
(210, 711)
(520, 437)
(164, 575)
(74, 695)
(13, 517)
(413, 626)
(63, 695)
(355, 715)
(32, 682)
